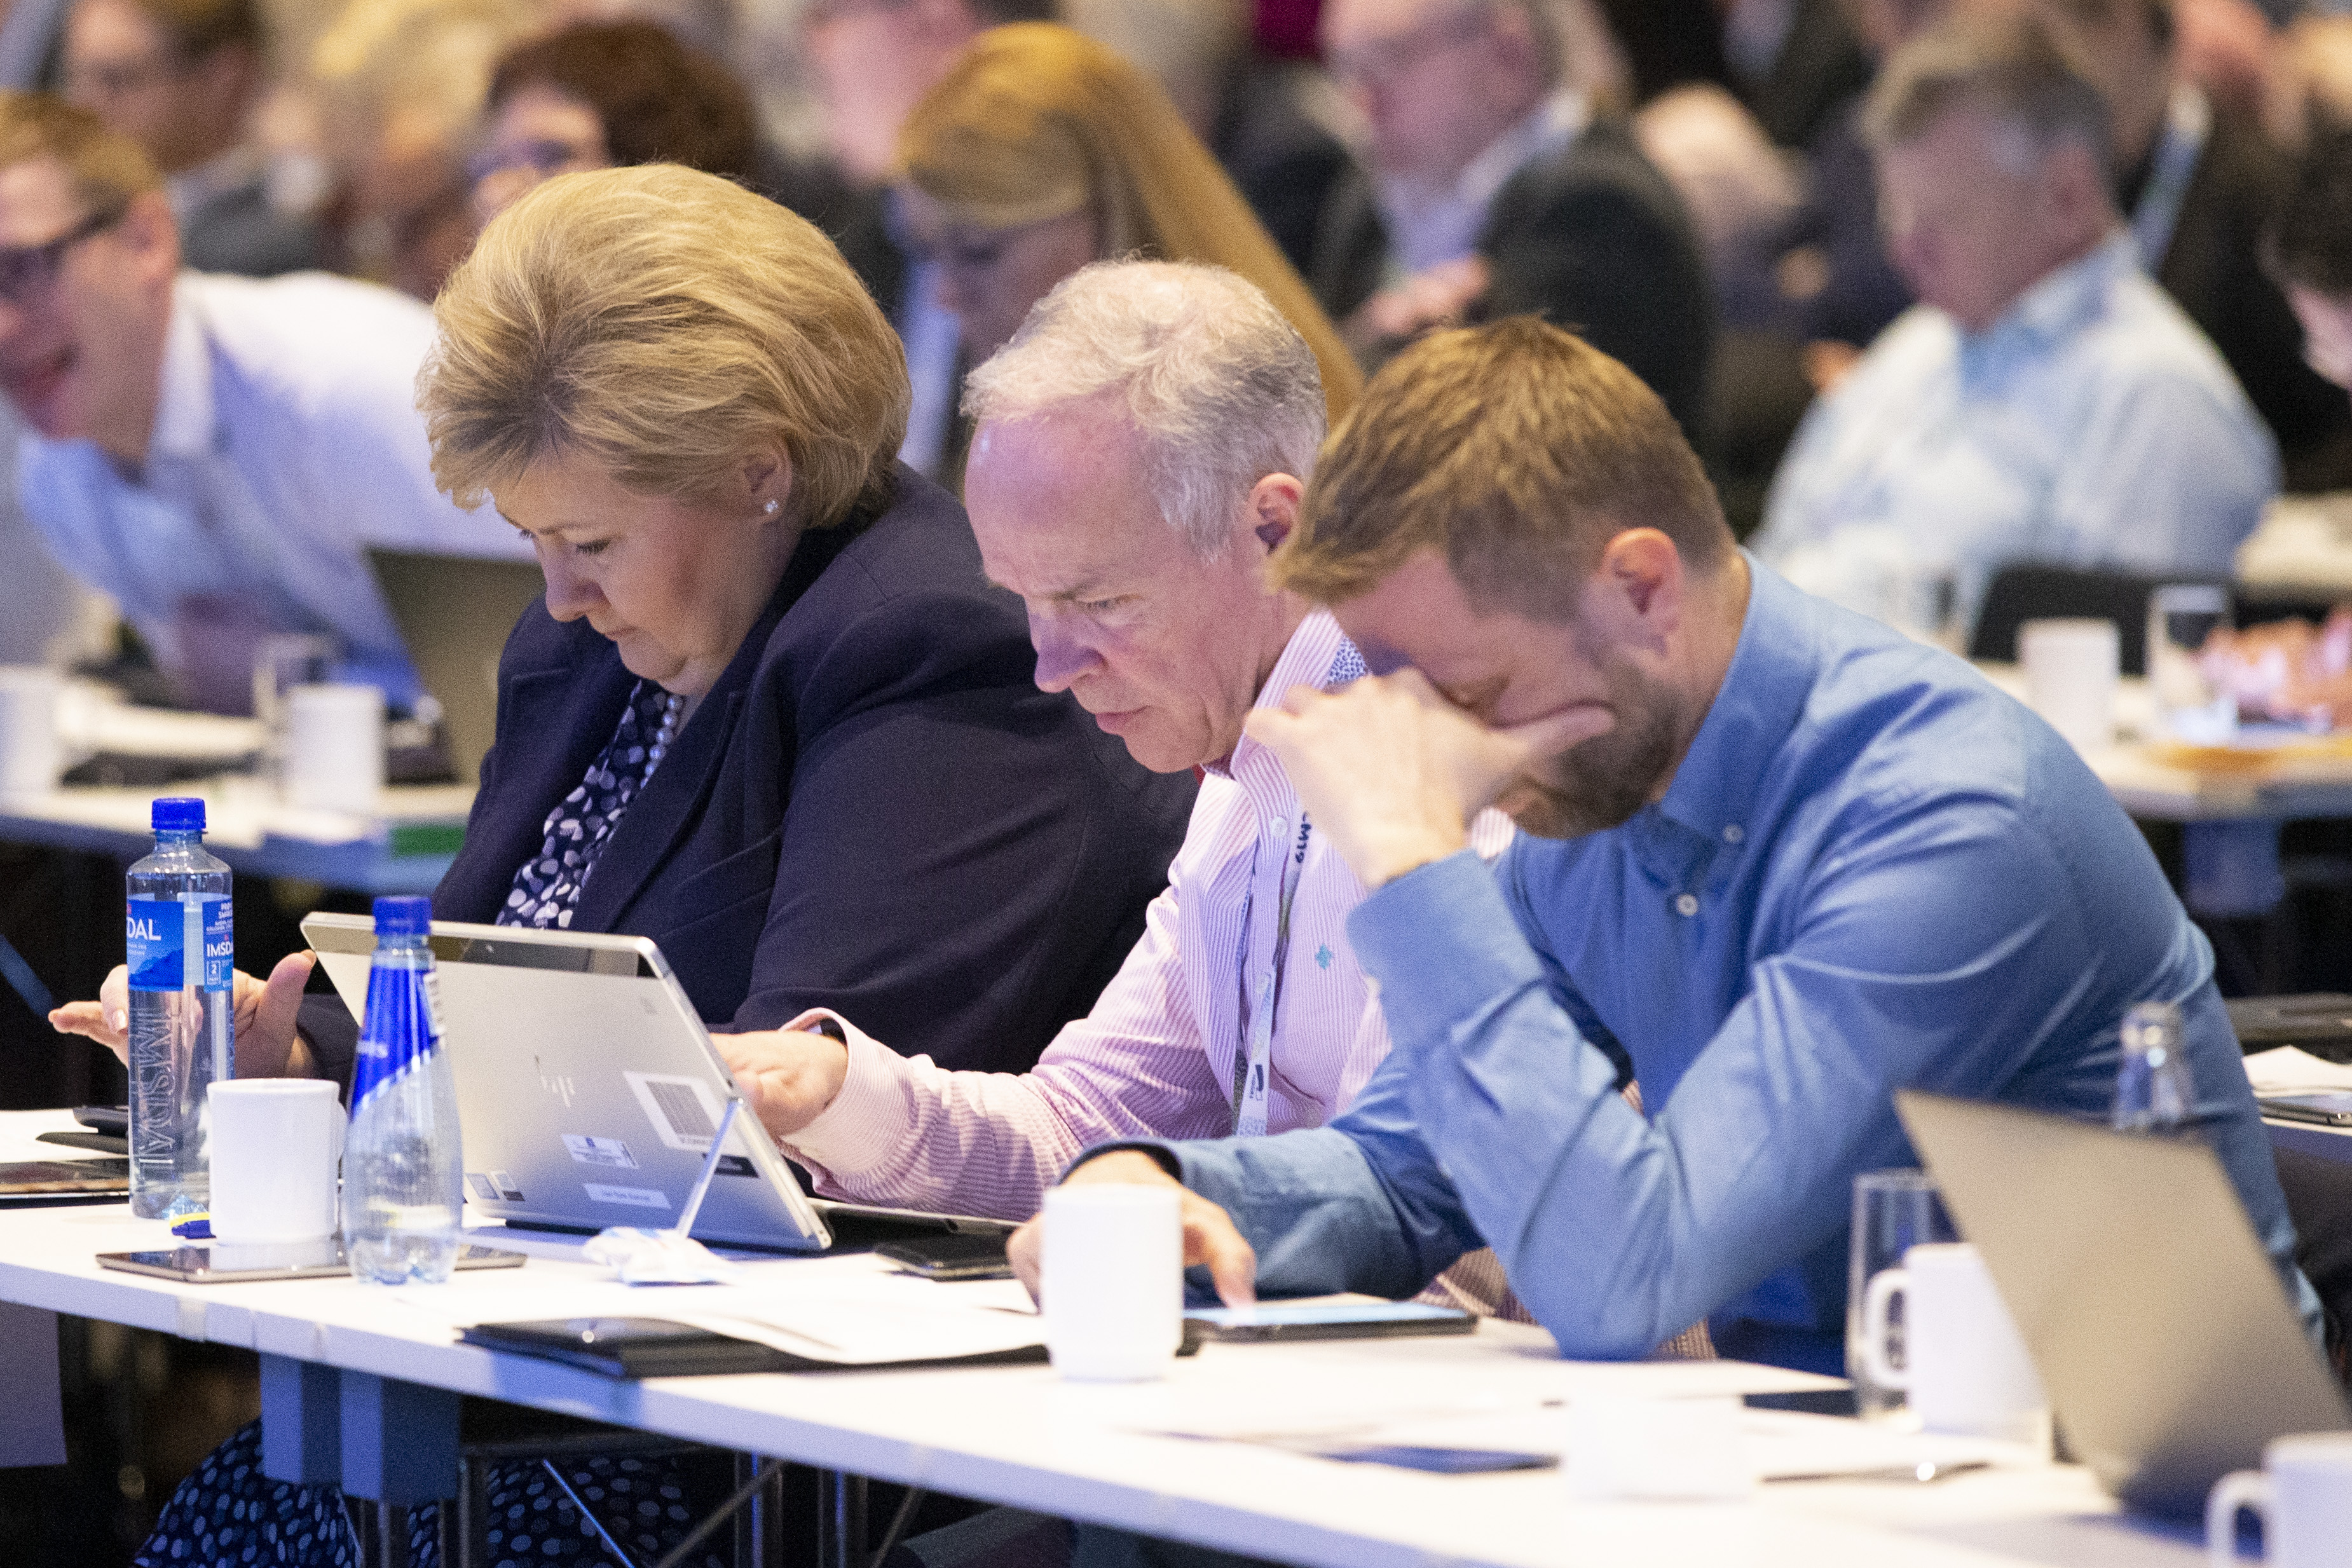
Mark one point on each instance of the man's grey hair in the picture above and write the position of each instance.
(1218, 386)
(2011, 68)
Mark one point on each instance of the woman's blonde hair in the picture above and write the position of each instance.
(1036, 122)
(669, 326)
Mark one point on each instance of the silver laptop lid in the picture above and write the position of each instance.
(588, 1089)
(2170, 1351)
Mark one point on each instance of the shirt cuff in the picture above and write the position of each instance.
(1167, 1157)
(868, 1121)
(1442, 944)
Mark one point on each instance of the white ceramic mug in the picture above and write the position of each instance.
(1965, 1368)
(273, 1144)
(1113, 1276)
(2070, 673)
(333, 758)
(2304, 1494)
(31, 756)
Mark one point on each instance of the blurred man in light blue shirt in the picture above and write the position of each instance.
(215, 454)
(2046, 401)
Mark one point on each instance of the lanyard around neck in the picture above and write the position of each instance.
(1254, 1058)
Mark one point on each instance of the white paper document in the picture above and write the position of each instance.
(2287, 1070)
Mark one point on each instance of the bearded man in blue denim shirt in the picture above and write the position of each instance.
(1783, 862)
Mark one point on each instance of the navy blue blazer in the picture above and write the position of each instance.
(874, 809)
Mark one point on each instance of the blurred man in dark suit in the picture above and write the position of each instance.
(1492, 188)
(181, 78)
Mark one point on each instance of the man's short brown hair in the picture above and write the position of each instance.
(2013, 68)
(1516, 449)
(107, 170)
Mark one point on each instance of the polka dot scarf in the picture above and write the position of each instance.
(546, 887)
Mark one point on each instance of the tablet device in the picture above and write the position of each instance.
(230, 1263)
(589, 1092)
(2328, 1108)
(41, 1179)
(1329, 1320)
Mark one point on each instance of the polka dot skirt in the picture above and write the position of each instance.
(229, 1515)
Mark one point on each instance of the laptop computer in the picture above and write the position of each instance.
(588, 1092)
(454, 612)
(2170, 1350)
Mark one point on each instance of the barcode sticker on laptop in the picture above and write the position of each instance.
(683, 1111)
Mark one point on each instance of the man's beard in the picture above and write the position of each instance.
(1600, 782)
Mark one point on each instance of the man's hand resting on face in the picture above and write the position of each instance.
(789, 1076)
(265, 1010)
(1208, 1234)
(1394, 772)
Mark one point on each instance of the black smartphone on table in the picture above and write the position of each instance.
(962, 1256)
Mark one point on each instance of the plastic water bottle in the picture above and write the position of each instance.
(2154, 1092)
(402, 1162)
(179, 944)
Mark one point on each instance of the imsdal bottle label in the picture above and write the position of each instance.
(155, 941)
(402, 1024)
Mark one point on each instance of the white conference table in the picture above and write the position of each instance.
(405, 847)
(1020, 1436)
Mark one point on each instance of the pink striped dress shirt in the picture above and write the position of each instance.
(1156, 1056)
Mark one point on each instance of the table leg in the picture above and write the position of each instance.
(759, 1536)
(2232, 868)
(302, 1421)
(32, 1405)
(840, 1520)
(399, 1441)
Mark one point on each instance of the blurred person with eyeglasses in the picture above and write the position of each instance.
(213, 452)
(1494, 186)
(180, 78)
(1044, 151)
(606, 95)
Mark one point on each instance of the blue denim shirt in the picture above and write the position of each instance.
(1871, 871)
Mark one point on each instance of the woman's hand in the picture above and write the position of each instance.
(790, 1076)
(265, 1013)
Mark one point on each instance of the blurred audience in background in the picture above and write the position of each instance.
(399, 86)
(182, 78)
(2197, 179)
(2291, 669)
(2044, 402)
(603, 95)
(1493, 187)
(1043, 151)
(214, 453)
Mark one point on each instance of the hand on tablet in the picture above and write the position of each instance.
(789, 1076)
(1208, 1234)
(266, 1011)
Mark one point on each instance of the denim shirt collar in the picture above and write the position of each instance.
(1772, 672)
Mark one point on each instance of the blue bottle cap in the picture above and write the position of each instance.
(177, 814)
(409, 916)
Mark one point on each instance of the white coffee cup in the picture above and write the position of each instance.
(333, 758)
(1113, 1277)
(1965, 1369)
(2304, 1494)
(31, 756)
(2070, 673)
(273, 1146)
